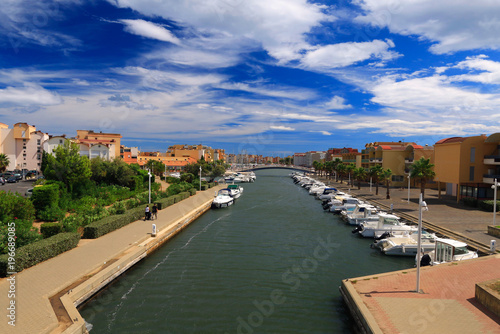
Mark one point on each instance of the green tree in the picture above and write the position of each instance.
(359, 175)
(4, 162)
(422, 170)
(385, 176)
(156, 167)
(67, 166)
(349, 168)
(341, 169)
(374, 172)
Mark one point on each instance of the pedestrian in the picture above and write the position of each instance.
(155, 211)
(147, 214)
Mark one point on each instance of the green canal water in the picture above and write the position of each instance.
(271, 263)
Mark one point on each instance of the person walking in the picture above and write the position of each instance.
(147, 213)
(155, 211)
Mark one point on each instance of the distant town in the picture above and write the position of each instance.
(465, 167)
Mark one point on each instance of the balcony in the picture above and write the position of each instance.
(376, 160)
(492, 160)
(408, 160)
(490, 178)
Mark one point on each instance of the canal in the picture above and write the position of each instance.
(271, 263)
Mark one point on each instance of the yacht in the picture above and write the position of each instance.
(386, 223)
(346, 204)
(235, 190)
(361, 213)
(447, 250)
(223, 199)
(406, 245)
(327, 194)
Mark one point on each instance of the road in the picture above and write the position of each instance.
(19, 187)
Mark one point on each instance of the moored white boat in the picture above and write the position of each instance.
(235, 190)
(361, 213)
(447, 250)
(406, 245)
(223, 199)
(386, 223)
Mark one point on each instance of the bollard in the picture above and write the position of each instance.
(153, 233)
(493, 246)
(392, 207)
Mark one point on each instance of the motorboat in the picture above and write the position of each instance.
(347, 204)
(327, 194)
(406, 244)
(235, 190)
(386, 223)
(317, 188)
(223, 199)
(447, 250)
(361, 213)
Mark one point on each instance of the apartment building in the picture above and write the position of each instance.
(129, 154)
(22, 144)
(468, 165)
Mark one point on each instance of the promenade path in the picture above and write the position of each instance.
(34, 286)
(444, 212)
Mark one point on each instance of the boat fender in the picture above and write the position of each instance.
(357, 229)
(383, 236)
(425, 260)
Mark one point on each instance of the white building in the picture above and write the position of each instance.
(22, 145)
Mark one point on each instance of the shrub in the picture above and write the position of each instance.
(72, 223)
(39, 251)
(204, 186)
(14, 206)
(166, 202)
(192, 191)
(25, 233)
(45, 197)
(50, 229)
(51, 214)
(488, 205)
(111, 223)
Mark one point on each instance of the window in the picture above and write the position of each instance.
(398, 178)
(60, 141)
(38, 142)
(23, 133)
(38, 156)
(471, 173)
(472, 154)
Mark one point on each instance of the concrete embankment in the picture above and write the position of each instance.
(46, 295)
(388, 302)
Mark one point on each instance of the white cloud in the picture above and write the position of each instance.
(195, 58)
(281, 128)
(279, 25)
(325, 133)
(345, 54)
(150, 30)
(453, 25)
(337, 102)
(294, 93)
(29, 95)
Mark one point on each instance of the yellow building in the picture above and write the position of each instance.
(90, 137)
(467, 165)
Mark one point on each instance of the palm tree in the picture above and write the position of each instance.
(336, 164)
(359, 175)
(375, 172)
(386, 176)
(349, 169)
(340, 171)
(4, 162)
(422, 171)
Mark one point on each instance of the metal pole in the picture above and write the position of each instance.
(408, 188)
(165, 172)
(494, 202)
(149, 173)
(370, 184)
(200, 178)
(419, 253)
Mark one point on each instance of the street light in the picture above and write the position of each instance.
(200, 178)
(494, 187)
(408, 188)
(149, 174)
(421, 206)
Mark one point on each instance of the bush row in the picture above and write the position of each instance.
(111, 223)
(29, 255)
(483, 205)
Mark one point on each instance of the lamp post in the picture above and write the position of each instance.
(421, 206)
(149, 174)
(408, 188)
(494, 187)
(370, 184)
(200, 178)
(165, 172)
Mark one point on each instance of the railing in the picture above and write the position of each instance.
(491, 159)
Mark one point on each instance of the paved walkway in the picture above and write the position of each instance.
(444, 212)
(34, 286)
(446, 304)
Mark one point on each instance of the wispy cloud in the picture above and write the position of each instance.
(150, 30)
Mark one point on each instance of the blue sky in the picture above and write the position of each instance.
(270, 77)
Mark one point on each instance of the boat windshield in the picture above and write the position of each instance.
(391, 221)
(461, 250)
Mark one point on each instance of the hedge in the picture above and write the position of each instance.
(167, 201)
(204, 186)
(192, 191)
(45, 197)
(108, 224)
(488, 205)
(50, 229)
(29, 255)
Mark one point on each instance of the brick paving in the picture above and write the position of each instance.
(35, 285)
(446, 303)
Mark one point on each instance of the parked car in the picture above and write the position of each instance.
(29, 192)
(18, 176)
(12, 179)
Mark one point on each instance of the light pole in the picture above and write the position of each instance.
(421, 206)
(149, 174)
(370, 184)
(200, 178)
(408, 188)
(494, 187)
(165, 172)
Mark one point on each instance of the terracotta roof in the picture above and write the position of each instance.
(451, 140)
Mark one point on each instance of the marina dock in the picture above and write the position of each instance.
(388, 303)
